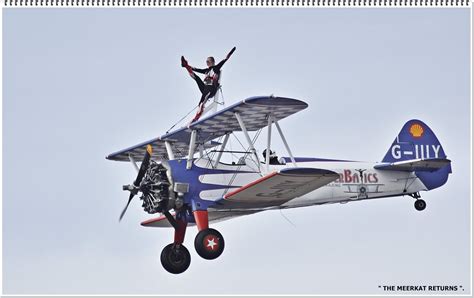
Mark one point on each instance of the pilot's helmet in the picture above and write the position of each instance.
(264, 153)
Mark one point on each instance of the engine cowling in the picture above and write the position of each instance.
(157, 189)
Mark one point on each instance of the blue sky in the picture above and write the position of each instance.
(79, 84)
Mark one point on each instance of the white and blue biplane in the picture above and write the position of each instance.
(183, 176)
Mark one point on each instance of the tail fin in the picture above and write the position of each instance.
(417, 141)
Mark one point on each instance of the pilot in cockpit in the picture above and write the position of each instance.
(273, 157)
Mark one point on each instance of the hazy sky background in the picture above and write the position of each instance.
(79, 84)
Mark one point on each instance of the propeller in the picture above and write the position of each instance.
(136, 184)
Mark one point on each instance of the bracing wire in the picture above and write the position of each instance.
(247, 150)
(287, 219)
(179, 121)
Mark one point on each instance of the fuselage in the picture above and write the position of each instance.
(357, 180)
(351, 185)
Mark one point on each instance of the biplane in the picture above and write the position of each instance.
(185, 178)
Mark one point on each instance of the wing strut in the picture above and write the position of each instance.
(169, 150)
(134, 163)
(284, 142)
(269, 142)
(201, 150)
(219, 155)
(192, 144)
(244, 130)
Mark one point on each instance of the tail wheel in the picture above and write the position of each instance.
(175, 258)
(209, 244)
(420, 205)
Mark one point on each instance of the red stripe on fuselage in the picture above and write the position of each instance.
(249, 185)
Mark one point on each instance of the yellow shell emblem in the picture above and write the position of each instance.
(416, 130)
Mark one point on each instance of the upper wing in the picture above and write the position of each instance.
(422, 165)
(254, 112)
(137, 152)
(276, 188)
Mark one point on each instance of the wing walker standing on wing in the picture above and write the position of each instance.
(211, 82)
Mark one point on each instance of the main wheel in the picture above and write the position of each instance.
(420, 205)
(209, 244)
(175, 259)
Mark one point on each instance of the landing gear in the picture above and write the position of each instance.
(209, 244)
(420, 205)
(175, 258)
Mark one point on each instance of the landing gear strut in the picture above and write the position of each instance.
(175, 257)
(420, 204)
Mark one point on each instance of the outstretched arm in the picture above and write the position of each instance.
(220, 64)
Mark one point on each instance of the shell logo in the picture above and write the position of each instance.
(416, 130)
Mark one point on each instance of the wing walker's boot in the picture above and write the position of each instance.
(185, 64)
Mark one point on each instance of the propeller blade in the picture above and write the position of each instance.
(141, 174)
(126, 206)
(144, 166)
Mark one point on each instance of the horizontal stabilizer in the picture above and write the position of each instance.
(419, 165)
(277, 188)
